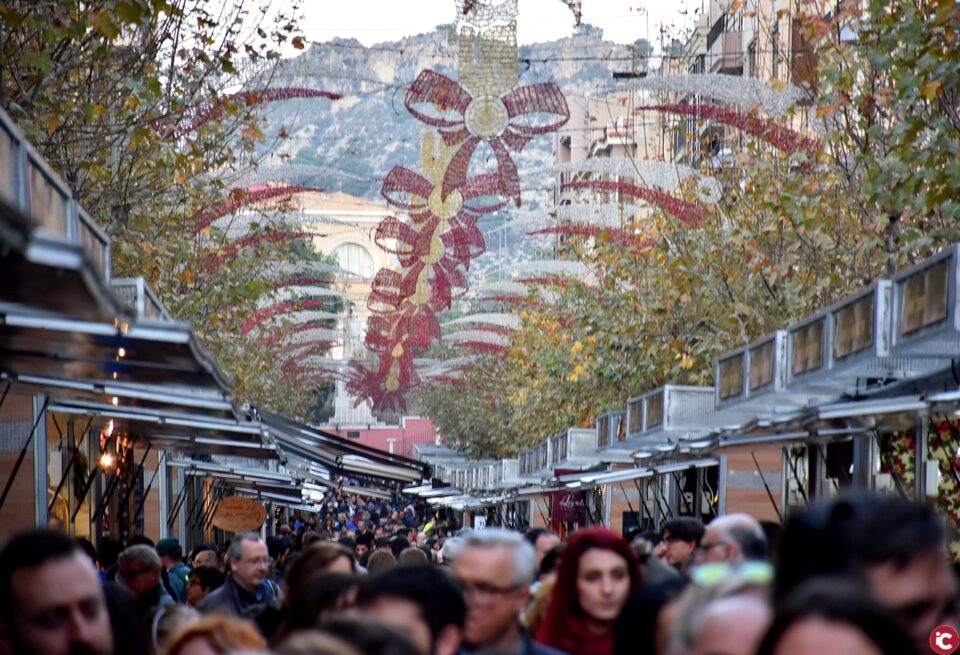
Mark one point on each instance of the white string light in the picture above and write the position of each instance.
(554, 267)
(486, 13)
(509, 321)
(742, 91)
(662, 175)
(502, 288)
(477, 336)
(297, 293)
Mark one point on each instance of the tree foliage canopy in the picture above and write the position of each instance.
(790, 235)
(134, 103)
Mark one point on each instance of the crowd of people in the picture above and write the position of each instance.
(857, 575)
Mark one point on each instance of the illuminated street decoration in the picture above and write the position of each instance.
(666, 176)
(745, 92)
(207, 112)
(782, 138)
(438, 238)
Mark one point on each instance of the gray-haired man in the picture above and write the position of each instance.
(247, 584)
(495, 568)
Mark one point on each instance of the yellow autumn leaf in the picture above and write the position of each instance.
(686, 362)
(931, 90)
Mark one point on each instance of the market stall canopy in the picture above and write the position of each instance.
(54, 257)
(341, 455)
(183, 432)
(149, 352)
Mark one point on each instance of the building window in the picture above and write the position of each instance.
(355, 260)
(353, 434)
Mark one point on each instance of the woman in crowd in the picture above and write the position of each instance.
(216, 635)
(321, 596)
(597, 574)
(833, 617)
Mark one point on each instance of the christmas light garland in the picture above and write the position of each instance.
(782, 138)
(666, 176)
(510, 321)
(209, 111)
(746, 92)
(438, 239)
(243, 198)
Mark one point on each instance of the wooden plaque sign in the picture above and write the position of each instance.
(238, 514)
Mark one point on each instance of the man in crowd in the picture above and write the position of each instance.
(495, 569)
(138, 569)
(203, 580)
(542, 541)
(895, 548)
(421, 601)
(734, 538)
(679, 540)
(247, 584)
(171, 556)
(363, 547)
(51, 599)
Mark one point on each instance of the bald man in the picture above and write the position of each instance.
(734, 538)
(732, 626)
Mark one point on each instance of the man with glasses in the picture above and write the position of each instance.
(679, 540)
(495, 568)
(734, 539)
(138, 569)
(247, 585)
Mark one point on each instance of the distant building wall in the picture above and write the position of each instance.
(397, 439)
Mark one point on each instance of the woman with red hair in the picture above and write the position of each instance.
(597, 574)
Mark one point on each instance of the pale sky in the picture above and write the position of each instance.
(376, 21)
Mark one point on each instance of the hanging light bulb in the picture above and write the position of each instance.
(106, 461)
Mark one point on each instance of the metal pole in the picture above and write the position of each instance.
(763, 479)
(722, 486)
(920, 459)
(90, 479)
(143, 499)
(23, 453)
(136, 474)
(164, 490)
(39, 460)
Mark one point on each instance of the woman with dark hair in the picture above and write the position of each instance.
(321, 595)
(597, 573)
(644, 622)
(831, 616)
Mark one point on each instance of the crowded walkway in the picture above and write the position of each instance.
(864, 575)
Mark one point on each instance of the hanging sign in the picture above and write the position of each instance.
(239, 514)
(569, 507)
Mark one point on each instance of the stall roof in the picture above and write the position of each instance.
(149, 352)
(45, 272)
(338, 444)
(206, 400)
(188, 433)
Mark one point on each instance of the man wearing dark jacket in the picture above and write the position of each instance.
(495, 569)
(138, 569)
(247, 585)
(172, 557)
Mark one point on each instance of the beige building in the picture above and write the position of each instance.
(607, 126)
(349, 225)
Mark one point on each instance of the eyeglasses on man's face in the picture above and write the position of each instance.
(484, 593)
(265, 561)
